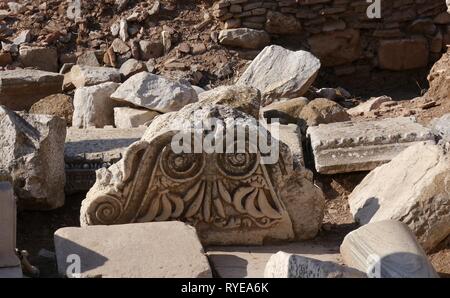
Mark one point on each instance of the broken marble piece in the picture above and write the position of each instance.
(155, 92)
(20, 89)
(286, 265)
(231, 198)
(362, 146)
(32, 151)
(93, 106)
(165, 250)
(281, 73)
(413, 188)
(386, 249)
(87, 150)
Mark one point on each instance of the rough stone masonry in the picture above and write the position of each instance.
(409, 34)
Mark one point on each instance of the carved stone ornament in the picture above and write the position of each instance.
(231, 198)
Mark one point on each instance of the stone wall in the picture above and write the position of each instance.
(410, 33)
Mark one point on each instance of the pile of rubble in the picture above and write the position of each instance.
(167, 37)
(109, 129)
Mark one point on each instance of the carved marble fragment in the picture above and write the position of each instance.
(231, 198)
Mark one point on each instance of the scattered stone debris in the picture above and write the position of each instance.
(347, 132)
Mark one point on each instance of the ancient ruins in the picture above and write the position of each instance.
(228, 138)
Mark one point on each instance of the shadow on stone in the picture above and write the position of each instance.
(400, 265)
(236, 267)
(67, 253)
(94, 146)
(369, 209)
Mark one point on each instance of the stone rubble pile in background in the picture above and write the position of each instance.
(409, 35)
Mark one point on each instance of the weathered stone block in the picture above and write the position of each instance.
(32, 150)
(20, 89)
(83, 76)
(386, 249)
(43, 58)
(244, 38)
(93, 106)
(155, 93)
(145, 250)
(362, 146)
(281, 73)
(413, 188)
(337, 47)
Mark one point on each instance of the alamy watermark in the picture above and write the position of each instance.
(374, 9)
(232, 136)
(73, 270)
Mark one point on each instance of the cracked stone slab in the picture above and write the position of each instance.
(362, 146)
(143, 250)
(87, 150)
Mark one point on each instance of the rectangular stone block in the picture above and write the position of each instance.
(20, 89)
(362, 146)
(143, 250)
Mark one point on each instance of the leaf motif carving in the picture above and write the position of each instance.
(239, 196)
(265, 207)
(250, 204)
